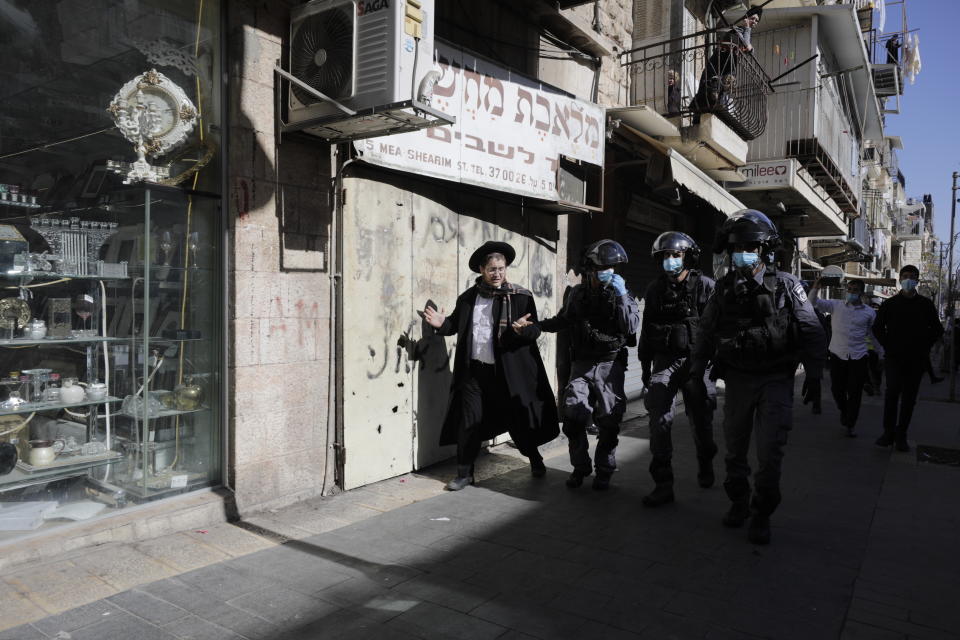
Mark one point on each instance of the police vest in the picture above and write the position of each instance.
(672, 325)
(597, 333)
(756, 330)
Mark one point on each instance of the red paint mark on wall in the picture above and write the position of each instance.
(243, 192)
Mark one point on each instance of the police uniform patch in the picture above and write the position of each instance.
(800, 293)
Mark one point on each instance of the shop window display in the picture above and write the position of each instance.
(110, 289)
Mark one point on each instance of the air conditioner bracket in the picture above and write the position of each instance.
(383, 120)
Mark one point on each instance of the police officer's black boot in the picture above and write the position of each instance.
(601, 482)
(885, 440)
(662, 494)
(759, 531)
(662, 473)
(464, 478)
(576, 477)
(900, 441)
(705, 475)
(737, 515)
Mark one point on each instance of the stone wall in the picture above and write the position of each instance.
(613, 19)
(279, 208)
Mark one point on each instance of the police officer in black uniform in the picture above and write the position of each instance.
(671, 315)
(602, 318)
(756, 328)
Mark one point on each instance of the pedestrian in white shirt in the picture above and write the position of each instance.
(852, 324)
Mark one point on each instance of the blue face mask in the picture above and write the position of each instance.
(853, 298)
(745, 259)
(605, 276)
(908, 284)
(672, 265)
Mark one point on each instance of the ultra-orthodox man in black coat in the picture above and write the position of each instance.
(499, 385)
(531, 406)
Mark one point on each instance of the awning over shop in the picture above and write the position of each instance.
(685, 174)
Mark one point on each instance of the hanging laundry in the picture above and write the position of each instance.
(911, 62)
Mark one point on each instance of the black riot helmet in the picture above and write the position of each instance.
(748, 226)
(677, 241)
(603, 254)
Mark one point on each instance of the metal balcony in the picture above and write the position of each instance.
(686, 77)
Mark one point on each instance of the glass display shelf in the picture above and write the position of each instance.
(22, 477)
(167, 413)
(30, 407)
(47, 275)
(28, 342)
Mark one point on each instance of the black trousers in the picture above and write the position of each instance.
(484, 397)
(903, 383)
(846, 384)
(671, 375)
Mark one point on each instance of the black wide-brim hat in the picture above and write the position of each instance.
(476, 260)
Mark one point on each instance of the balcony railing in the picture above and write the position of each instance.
(909, 226)
(689, 76)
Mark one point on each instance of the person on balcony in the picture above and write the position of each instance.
(499, 381)
(907, 326)
(893, 49)
(719, 77)
(849, 351)
(672, 309)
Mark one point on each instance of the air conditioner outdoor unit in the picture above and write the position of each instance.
(363, 54)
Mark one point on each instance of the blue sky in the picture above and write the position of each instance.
(927, 119)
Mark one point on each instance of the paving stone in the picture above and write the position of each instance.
(222, 581)
(297, 570)
(181, 552)
(74, 619)
(283, 607)
(122, 566)
(899, 626)
(532, 618)
(242, 622)
(121, 627)
(148, 607)
(854, 630)
(369, 598)
(23, 632)
(434, 621)
(180, 594)
(58, 587)
(15, 609)
(446, 592)
(231, 539)
(196, 628)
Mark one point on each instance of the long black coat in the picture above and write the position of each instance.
(531, 407)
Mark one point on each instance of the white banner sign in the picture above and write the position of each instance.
(509, 134)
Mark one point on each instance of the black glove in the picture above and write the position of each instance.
(810, 391)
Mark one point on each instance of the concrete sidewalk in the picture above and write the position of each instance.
(864, 546)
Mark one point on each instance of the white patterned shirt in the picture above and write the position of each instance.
(483, 326)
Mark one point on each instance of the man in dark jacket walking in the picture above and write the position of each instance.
(671, 315)
(756, 328)
(907, 325)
